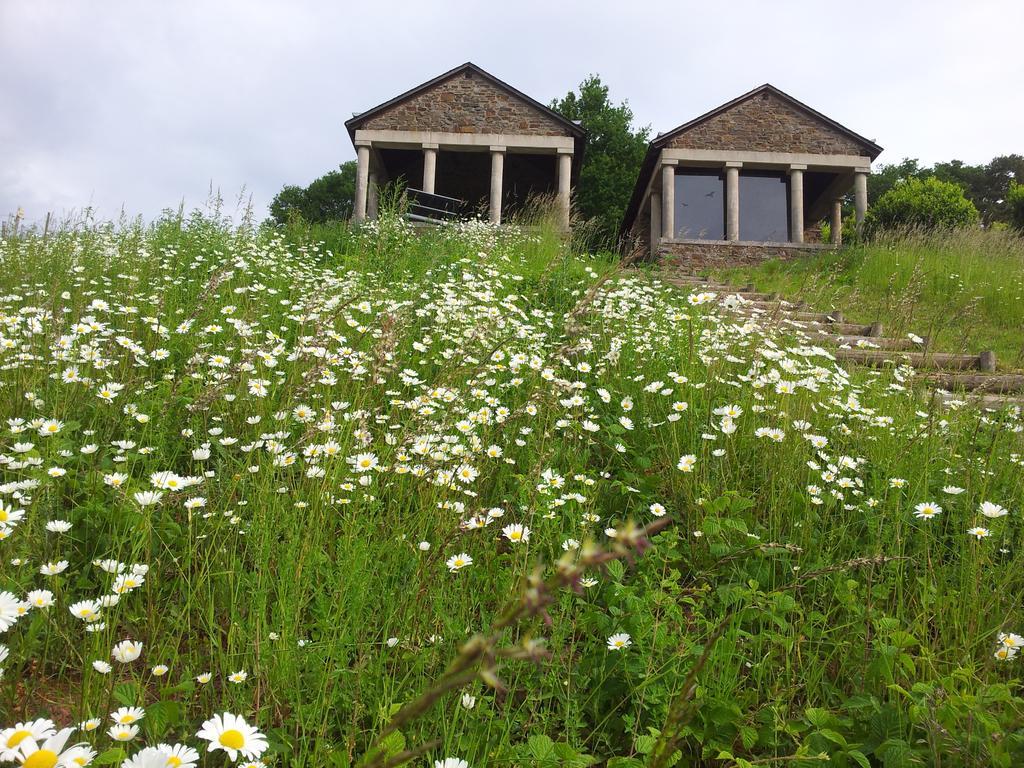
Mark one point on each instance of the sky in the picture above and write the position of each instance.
(140, 105)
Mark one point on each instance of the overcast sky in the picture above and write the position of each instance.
(143, 103)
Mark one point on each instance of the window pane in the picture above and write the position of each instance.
(764, 207)
(700, 205)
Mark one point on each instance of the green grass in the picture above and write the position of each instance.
(485, 374)
(964, 289)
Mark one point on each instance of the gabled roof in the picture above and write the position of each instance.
(355, 122)
(872, 149)
(654, 148)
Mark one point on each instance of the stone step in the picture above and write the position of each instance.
(752, 296)
(766, 305)
(843, 329)
(880, 342)
(988, 402)
(934, 360)
(979, 383)
(779, 311)
(703, 285)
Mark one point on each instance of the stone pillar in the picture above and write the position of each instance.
(836, 228)
(860, 195)
(655, 222)
(796, 203)
(668, 201)
(564, 186)
(362, 179)
(732, 200)
(372, 196)
(497, 174)
(429, 167)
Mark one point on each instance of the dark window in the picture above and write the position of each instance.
(764, 206)
(700, 204)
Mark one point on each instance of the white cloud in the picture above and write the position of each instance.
(146, 103)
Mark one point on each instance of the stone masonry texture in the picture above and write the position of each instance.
(463, 104)
(720, 255)
(765, 123)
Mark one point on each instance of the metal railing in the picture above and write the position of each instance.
(434, 209)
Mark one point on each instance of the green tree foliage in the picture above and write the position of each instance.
(1015, 205)
(987, 186)
(612, 155)
(885, 177)
(329, 198)
(929, 203)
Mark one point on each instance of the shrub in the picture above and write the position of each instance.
(926, 203)
(1015, 201)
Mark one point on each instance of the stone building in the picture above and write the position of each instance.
(466, 135)
(747, 181)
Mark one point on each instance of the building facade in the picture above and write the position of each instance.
(747, 181)
(466, 135)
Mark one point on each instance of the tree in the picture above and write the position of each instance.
(329, 198)
(885, 177)
(612, 154)
(930, 203)
(1015, 205)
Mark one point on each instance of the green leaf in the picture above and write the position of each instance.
(126, 694)
(541, 747)
(818, 717)
(393, 743)
(110, 757)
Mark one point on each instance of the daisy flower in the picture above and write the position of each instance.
(10, 738)
(458, 562)
(516, 533)
(989, 509)
(232, 734)
(926, 510)
(618, 641)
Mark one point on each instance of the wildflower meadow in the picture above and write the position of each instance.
(472, 496)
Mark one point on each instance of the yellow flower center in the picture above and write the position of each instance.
(174, 761)
(42, 758)
(3, 514)
(127, 719)
(232, 739)
(17, 737)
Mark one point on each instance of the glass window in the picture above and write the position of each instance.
(700, 204)
(764, 206)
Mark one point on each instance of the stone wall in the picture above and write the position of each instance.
(766, 123)
(466, 104)
(719, 255)
(639, 236)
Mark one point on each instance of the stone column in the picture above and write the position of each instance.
(860, 195)
(796, 203)
(732, 200)
(362, 179)
(668, 201)
(429, 167)
(564, 186)
(655, 222)
(372, 196)
(497, 174)
(836, 228)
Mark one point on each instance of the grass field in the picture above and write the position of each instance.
(963, 289)
(473, 496)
